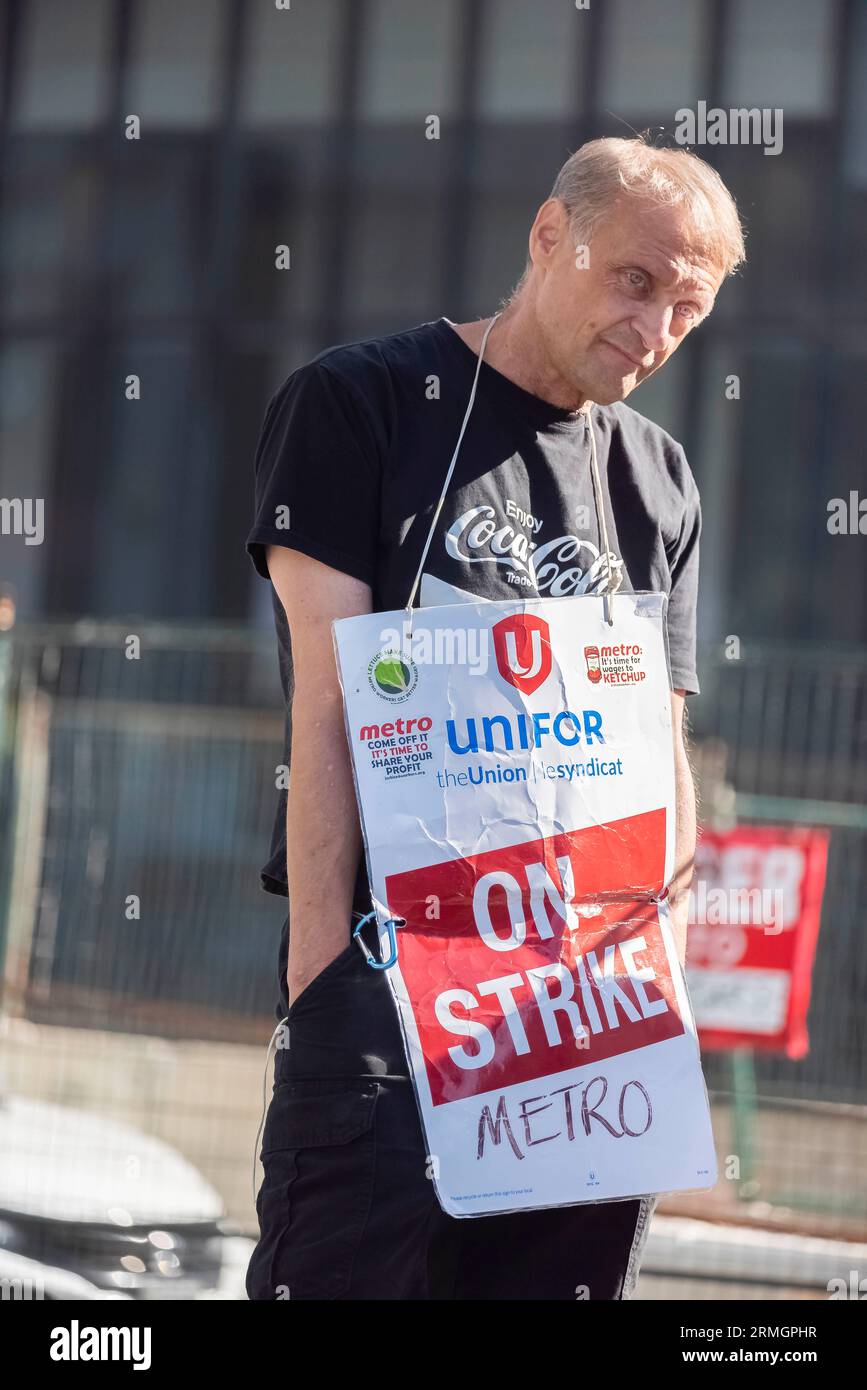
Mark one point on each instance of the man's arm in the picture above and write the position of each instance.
(685, 825)
(323, 834)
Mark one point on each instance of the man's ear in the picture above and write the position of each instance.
(547, 232)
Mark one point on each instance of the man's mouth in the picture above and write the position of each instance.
(625, 355)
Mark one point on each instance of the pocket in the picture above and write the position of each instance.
(311, 990)
(318, 1160)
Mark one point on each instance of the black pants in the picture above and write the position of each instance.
(347, 1209)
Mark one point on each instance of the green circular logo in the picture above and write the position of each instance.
(393, 676)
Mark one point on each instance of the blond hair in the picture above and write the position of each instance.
(601, 172)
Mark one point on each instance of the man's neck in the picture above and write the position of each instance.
(516, 351)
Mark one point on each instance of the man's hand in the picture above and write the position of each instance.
(323, 835)
(685, 832)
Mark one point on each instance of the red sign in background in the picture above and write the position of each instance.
(786, 861)
(620, 1001)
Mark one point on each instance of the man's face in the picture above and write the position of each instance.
(607, 327)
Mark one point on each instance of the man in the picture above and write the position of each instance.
(625, 259)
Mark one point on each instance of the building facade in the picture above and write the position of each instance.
(155, 156)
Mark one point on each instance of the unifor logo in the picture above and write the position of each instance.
(393, 675)
(522, 646)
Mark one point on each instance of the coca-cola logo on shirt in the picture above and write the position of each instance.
(567, 565)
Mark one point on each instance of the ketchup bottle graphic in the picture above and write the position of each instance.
(594, 670)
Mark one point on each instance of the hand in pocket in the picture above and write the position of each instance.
(302, 981)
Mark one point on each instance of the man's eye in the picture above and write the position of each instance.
(636, 279)
(688, 311)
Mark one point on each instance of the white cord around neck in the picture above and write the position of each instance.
(615, 577)
(451, 469)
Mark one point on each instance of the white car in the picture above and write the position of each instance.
(91, 1208)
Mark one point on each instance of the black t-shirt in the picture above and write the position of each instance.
(352, 457)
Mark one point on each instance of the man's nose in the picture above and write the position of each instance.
(653, 326)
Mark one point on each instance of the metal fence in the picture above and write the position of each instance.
(793, 728)
(137, 792)
(790, 727)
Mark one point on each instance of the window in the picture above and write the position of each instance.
(48, 228)
(653, 57)
(284, 202)
(395, 228)
(714, 459)
(778, 509)
(63, 80)
(780, 54)
(855, 117)
(175, 60)
(290, 73)
(509, 181)
(530, 59)
(159, 230)
(409, 60)
(496, 249)
(157, 501)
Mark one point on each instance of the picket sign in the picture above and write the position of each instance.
(754, 923)
(515, 777)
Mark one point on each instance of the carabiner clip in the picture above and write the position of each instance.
(392, 943)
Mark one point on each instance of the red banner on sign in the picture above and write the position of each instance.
(543, 988)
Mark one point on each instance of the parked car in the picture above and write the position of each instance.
(90, 1204)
